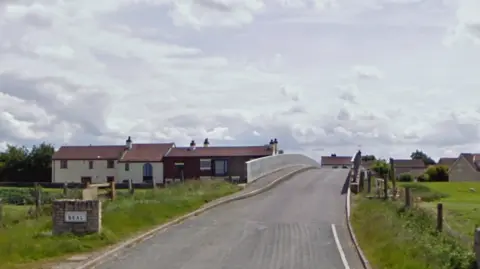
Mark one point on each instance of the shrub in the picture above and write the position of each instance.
(405, 178)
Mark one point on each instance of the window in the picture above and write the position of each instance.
(90, 164)
(110, 164)
(127, 167)
(110, 179)
(63, 164)
(205, 164)
(221, 167)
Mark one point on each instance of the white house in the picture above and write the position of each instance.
(99, 164)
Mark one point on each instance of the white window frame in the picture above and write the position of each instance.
(203, 163)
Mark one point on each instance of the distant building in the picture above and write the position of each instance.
(415, 168)
(334, 161)
(465, 168)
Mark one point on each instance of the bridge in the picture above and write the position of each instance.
(298, 224)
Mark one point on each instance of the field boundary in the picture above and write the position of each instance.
(95, 261)
(361, 255)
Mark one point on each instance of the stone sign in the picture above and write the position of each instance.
(77, 216)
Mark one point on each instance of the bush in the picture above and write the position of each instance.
(437, 173)
(405, 178)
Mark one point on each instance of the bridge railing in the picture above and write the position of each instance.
(263, 166)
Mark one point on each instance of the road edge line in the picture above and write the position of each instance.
(361, 255)
(138, 239)
(339, 247)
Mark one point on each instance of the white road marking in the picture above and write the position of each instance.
(339, 247)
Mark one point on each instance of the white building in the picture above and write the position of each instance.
(99, 164)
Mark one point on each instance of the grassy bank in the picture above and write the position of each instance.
(29, 240)
(393, 238)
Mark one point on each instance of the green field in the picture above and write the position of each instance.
(461, 206)
(29, 241)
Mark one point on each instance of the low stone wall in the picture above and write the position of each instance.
(77, 216)
(260, 167)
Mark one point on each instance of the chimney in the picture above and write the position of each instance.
(128, 143)
(270, 145)
(206, 143)
(275, 146)
(192, 145)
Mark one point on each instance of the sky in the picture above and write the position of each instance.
(322, 76)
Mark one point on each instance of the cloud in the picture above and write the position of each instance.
(467, 28)
(366, 72)
(89, 72)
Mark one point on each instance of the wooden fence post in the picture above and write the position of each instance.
(369, 181)
(362, 181)
(113, 195)
(131, 189)
(476, 245)
(1, 211)
(385, 188)
(439, 217)
(408, 197)
(65, 189)
(38, 199)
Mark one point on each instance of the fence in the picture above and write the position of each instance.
(17, 204)
(406, 198)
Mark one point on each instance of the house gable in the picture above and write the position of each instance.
(463, 170)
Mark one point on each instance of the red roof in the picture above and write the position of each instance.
(146, 152)
(336, 160)
(88, 153)
(254, 151)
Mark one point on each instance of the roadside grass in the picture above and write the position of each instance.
(394, 238)
(30, 241)
(461, 205)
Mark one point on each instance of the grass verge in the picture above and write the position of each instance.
(28, 241)
(393, 238)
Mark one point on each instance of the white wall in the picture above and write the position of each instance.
(262, 166)
(78, 169)
(136, 172)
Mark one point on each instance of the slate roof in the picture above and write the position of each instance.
(88, 153)
(446, 161)
(254, 151)
(147, 152)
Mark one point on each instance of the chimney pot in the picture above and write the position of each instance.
(128, 143)
(206, 143)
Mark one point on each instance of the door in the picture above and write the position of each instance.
(147, 172)
(220, 168)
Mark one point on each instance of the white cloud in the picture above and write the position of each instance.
(91, 72)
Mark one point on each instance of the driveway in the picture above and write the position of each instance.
(299, 224)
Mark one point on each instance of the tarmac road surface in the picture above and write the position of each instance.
(300, 224)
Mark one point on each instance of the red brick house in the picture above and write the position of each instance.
(196, 162)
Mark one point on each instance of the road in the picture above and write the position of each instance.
(299, 224)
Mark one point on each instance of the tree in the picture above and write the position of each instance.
(420, 155)
(18, 163)
(381, 167)
(367, 158)
(437, 173)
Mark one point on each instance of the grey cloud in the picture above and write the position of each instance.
(87, 110)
